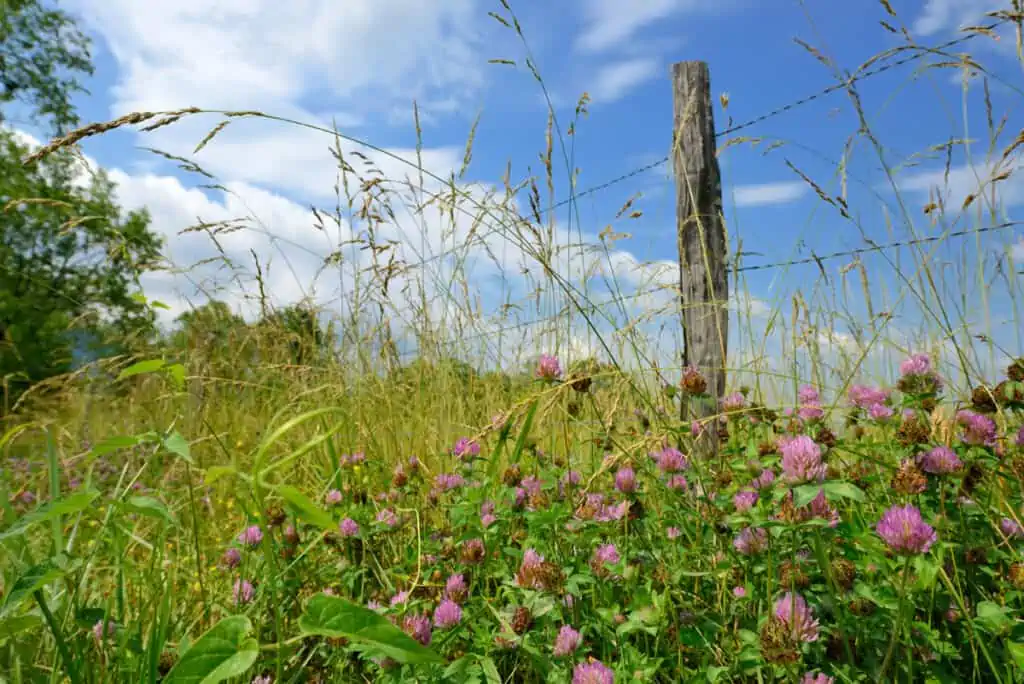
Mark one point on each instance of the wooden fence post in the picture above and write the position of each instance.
(701, 237)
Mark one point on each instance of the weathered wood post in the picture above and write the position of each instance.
(701, 237)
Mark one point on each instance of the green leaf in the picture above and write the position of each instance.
(176, 372)
(34, 579)
(714, 672)
(177, 444)
(69, 505)
(13, 626)
(331, 616)
(226, 650)
(840, 489)
(1016, 652)
(147, 505)
(992, 617)
(804, 494)
(490, 671)
(114, 443)
(214, 473)
(141, 367)
(305, 508)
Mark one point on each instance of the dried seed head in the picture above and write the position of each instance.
(792, 577)
(522, 620)
(909, 479)
(844, 573)
(777, 646)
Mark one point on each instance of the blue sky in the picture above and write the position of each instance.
(361, 63)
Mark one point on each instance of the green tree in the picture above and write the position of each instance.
(69, 265)
(43, 55)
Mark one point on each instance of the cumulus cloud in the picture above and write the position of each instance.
(769, 193)
(955, 186)
(611, 23)
(945, 15)
(615, 81)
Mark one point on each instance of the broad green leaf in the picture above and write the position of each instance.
(226, 650)
(177, 444)
(34, 579)
(305, 507)
(491, 675)
(992, 617)
(840, 489)
(15, 625)
(214, 473)
(69, 505)
(140, 368)
(176, 372)
(1016, 652)
(114, 443)
(335, 617)
(804, 494)
(147, 505)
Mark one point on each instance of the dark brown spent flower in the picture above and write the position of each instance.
(505, 643)
(581, 383)
(844, 573)
(574, 408)
(975, 474)
(913, 429)
(826, 437)
(1016, 575)
(792, 576)
(929, 403)
(838, 646)
(693, 381)
(723, 478)
(539, 501)
(976, 555)
(331, 539)
(768, 447)
(862, 607)
(777, 645)
(275, 515)
(512, 476)
(1017, 466)
(400, 478)
(1015, 371)
(909, 479)
(337, 642)
(791, 514)
(859, 432)
(983, 399)
(522, 620)
(544, 575)
(1010, 393)
(166, 662)
(833, 472)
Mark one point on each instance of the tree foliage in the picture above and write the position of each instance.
(43, 55)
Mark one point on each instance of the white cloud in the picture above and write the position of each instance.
(946, 15)
(611, 23)
(614, 81)
(1017, 251)
(962, 181)
(769, 193)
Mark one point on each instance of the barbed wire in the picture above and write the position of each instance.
(835, 87)
(816, 259)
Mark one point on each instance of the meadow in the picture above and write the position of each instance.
(275, 502)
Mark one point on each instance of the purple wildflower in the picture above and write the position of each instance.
(978, 429)
(916, 364)
(880, 412)
(388, 517)
(671, 460)
(232, 558)
(446, 482)
(567, 641)
(418, 627)
(794, 612)
(488, 519)
(673, 533)
(533, 485)
(820, 508)
(744, 500)
(739, 592)
(764, 480)
(251, 536)
(466, 449)
(610, 513)
(1011, 528)
(625, 480)
(903, 529)
(751, 540)
(1020, 436)
(865, 397)
(696, 428)
(809, 412)
(733, 402)
(448, 614)
(333, 497)
(606, 554)
(399, 598)
(939, 461)
(807, 394)
(348, 527)
(820, 678)
(262, 679)
(242, 592)
(104, 629)
(593, 672)
(678, 483)
(801, 460)
(455, 589)
(548, 368)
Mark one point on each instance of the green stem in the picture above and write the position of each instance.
(899, 621)
(62, 646)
